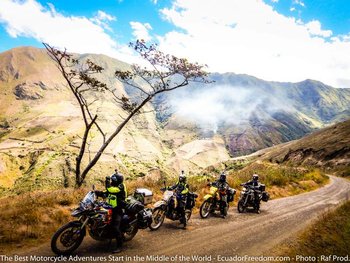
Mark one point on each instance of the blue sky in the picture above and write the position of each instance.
(281, 40)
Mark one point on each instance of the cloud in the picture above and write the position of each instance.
(314, 27)
(78, 34)
(232, 105)
(102, 19)
(249, 36)
(299, 2)
(140, 31)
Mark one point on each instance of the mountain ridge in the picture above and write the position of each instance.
(40, 121)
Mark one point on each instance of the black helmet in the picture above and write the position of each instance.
(222, 177)
(255, 177)
(116, 179)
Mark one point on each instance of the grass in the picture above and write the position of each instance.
(34, 217)
(330, 235)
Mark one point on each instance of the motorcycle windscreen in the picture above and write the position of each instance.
(89, 198)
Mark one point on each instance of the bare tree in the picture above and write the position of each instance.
(163, 73)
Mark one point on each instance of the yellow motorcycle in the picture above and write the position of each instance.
(218, 199)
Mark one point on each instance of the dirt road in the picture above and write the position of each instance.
(238, 234)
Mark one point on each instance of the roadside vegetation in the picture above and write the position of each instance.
(329, 235)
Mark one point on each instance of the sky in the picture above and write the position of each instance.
(275, 40)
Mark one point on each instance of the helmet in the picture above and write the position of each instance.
(116, 179)
(182, 178)
(255, 177)
(222, 177)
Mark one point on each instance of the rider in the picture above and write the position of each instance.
(254, 183)
(221, 184)
(181, 189)
(116, 193)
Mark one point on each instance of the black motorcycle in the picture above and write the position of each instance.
(167, 208)
(251, 196)
(95, 217)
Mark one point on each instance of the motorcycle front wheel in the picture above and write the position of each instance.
(67, 238)
(240, 206)
(158, 216)
(131, 232)
(205, 209)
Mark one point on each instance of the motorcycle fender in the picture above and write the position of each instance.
(208, 196)
(159, 204)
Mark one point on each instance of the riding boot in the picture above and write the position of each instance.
(119, 246)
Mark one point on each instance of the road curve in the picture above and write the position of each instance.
(238, 234)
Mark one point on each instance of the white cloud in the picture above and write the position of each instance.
(78, 34)
(314, 27)
(249, 36)
(102, 19)
(140, 31)
(219, 104)
(299, 2)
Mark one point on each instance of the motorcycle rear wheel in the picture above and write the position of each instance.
(158, 216)
(67, 238)
(240, 207)
(205, 209)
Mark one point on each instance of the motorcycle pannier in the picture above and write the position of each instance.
(265, 196)
(262, 187)
(230, 194)
(191, 200)
(133, 206)
(144, 218)
(144, 195)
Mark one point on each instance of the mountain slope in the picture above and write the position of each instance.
(329, 147)
(252, 114)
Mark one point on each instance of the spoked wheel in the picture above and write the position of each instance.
(67, 238)
(240, 206)
(158, 216)
(205, 209)
(131, 232)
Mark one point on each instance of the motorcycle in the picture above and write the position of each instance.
(167, 208)
(218, 199)
(95, 217)
(248, 197)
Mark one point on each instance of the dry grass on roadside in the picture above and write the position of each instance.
(33, 217)
(329, 235)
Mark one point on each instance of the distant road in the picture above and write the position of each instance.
(238, 234)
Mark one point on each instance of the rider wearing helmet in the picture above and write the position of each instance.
(181, 189)
(116, 193)
(222, 185)
(254, 184)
